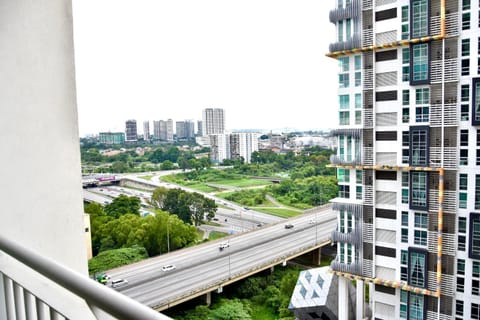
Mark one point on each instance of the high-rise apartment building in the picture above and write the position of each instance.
(408, 155)
(146, 131)
(185, 130)
(213, 121)
(131, 131)
(199, 128)
(233, 146)
(163, 130)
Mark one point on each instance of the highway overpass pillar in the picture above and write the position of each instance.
(317, 256)
(208, 298)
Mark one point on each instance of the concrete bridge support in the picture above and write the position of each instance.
(208, 298)
(317, 256)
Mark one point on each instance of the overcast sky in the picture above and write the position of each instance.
(263, 61)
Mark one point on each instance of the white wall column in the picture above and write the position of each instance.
(360, 299)
(343, 304)
(40, 174)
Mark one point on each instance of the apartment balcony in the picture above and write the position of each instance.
(351, 11)
(448, 118)
(451, 70)
(345, 160)
(36, 287)
(367, 268)
(447, 285)
(368, 195)
(451, 24)
(353, 42)
(450, 201)
(367, 118)
(449, 243)
(367, 78)
(366, 4)
(367, 233)
(353, 268)
(354, 237)
(450, 157)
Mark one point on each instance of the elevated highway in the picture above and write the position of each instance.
(205, 268)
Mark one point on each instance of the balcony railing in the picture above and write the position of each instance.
(37, 287)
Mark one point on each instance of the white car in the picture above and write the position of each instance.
(168, 267)
(312, 221)
(119, 282)
(224, 245)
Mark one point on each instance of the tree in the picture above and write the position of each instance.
(122, 205)
(167, 165)
(201, 208)
(231, 310)
(114, 258)
(158, 198)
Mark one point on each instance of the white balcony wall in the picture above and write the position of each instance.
(40, 172)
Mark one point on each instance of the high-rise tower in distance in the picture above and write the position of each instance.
(131, 130)
(408, 154)
(213, 121)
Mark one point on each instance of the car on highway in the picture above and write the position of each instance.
(168, 267)
(223, 245)
(288, 226)
(312, 221)
(119, 283)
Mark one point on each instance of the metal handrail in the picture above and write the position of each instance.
(94, 293)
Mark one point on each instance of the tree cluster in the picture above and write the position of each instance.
(115, 227)
(189, 207)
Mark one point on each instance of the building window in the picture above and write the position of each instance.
(461, 266)
(464, 116)
(462, 200)
(344, 101)
(476, 101)
(419, 64)
(477, 192)
(475, 311)
(344, 118)
(459, 307)
(344, 80)
(405, 23)
(404, 235)
(465, 47)
(417, 268)
(358, 79)
(477, 158)
(406, 64)
(405, 97)
(419, 145)
(466, 21)
(422, 114)
(463, 181)
(474, 243)
(465, 67)
(418, 190)
(419, 24)
(416, 307)
(358, 100)
(463, 157)
(343, 175)
(403, 304)
(464, 138)
(359, 192)
(420, 237)
(404, 218)
(466, 5)
(460, 284)
(358, 62)
(461, 243)
(344, 191)
(358, 117)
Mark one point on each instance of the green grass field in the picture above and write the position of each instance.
(279, 212)
(147, 177)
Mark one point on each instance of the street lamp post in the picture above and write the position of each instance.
(168, 234)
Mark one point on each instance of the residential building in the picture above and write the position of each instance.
(233, 146)
(163, 130)
(213, 121)
(199, 128)
(185, 130)
(131, 134)
(146, 131)
(409, 91)
(111, 137)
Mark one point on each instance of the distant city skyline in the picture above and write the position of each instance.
(262, 61)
